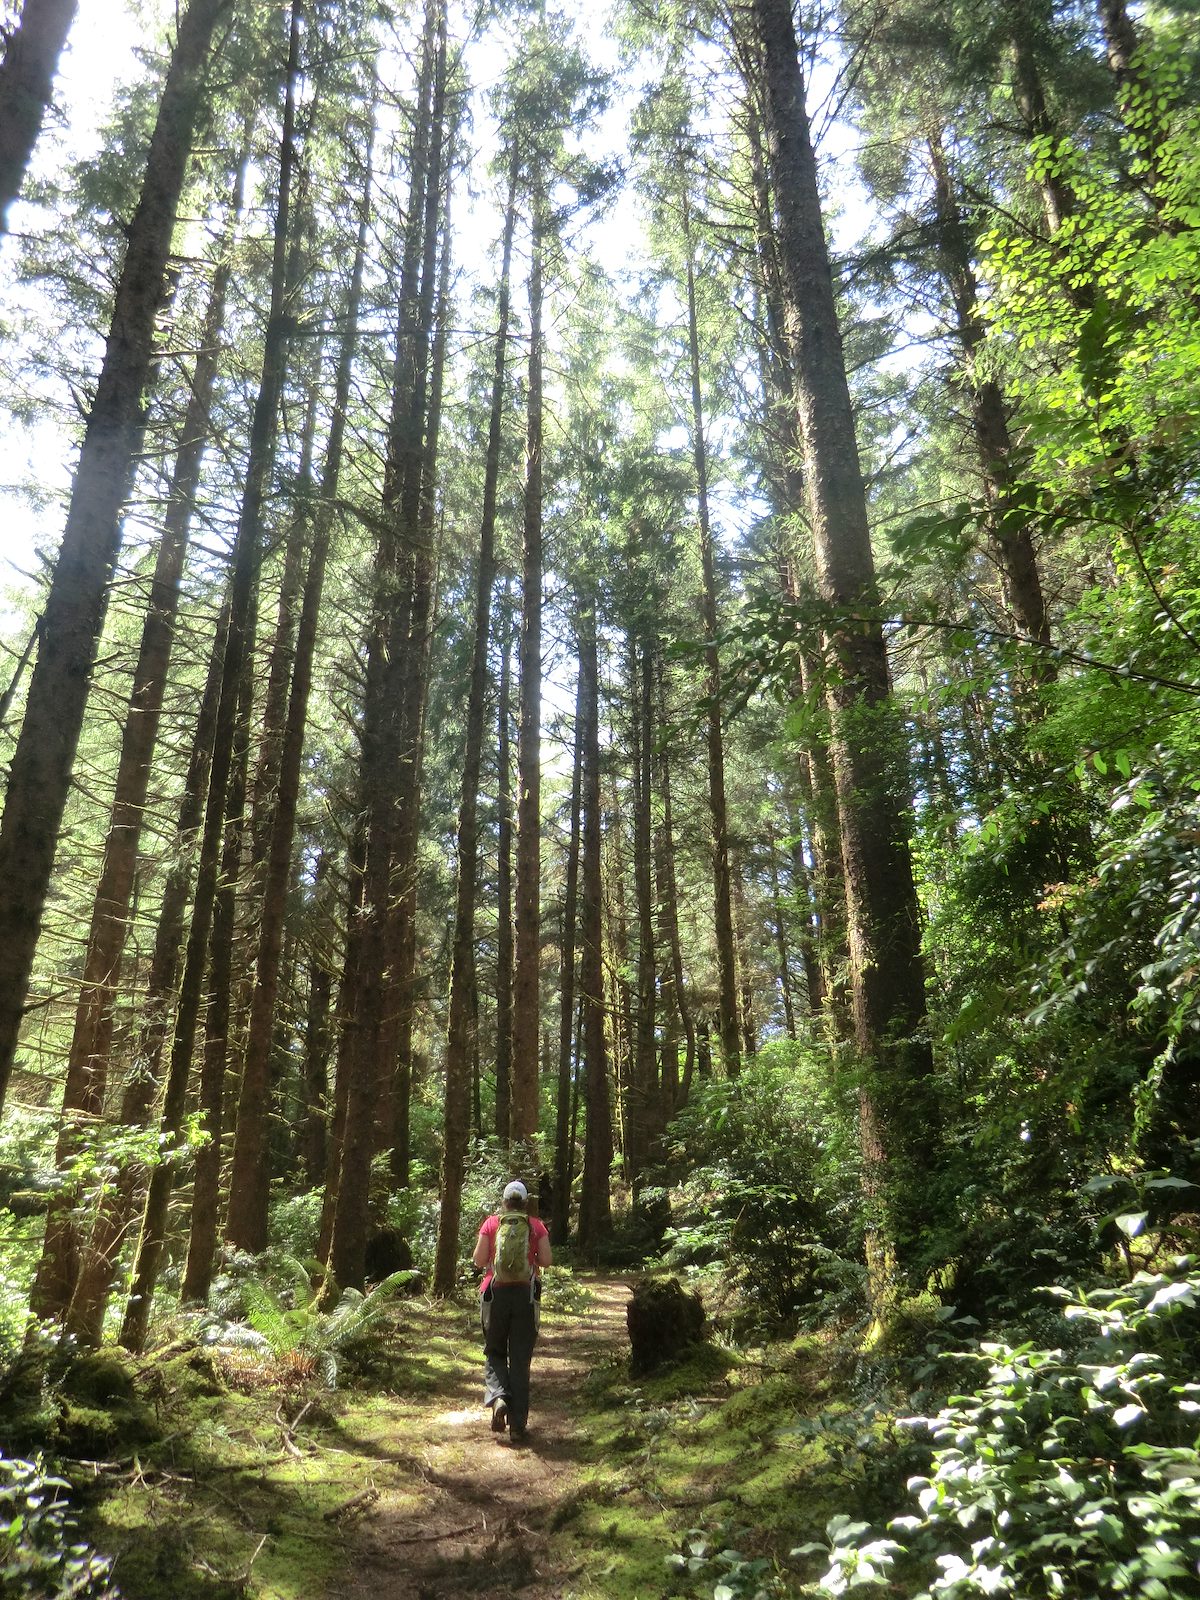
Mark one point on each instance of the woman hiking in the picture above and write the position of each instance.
(512, 1248)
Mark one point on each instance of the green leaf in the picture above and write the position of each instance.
(1132, 1223)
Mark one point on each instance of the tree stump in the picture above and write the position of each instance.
(663, 1320)
(388, 1251)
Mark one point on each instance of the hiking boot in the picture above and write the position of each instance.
(518, 1435)
(499, 1416)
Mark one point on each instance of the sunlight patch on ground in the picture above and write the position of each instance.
(459, 1419)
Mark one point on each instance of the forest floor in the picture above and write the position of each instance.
(393, 1487)
(482, 1520)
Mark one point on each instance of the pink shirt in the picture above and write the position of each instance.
(537, 1230)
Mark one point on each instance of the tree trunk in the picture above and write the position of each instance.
(40, 775)
(215, 849)
(88, 1061)
(781, 937)
(1058, 199)
(644, 1100)
(93, 1284)
(348, 995)
(435, 314)
(157, 1009)
(264, 788)
(1011, 539)
(722, 885)
(815, 986)
(615, 939)
(668, 897)
(526, 987)
(898, 1111)
(560, 1221)
(218, 1014)
(595, 1215)
(746, 987)
(313, 1148)
(504, 875)
(249, 1177)
(459, 1030)
(1142, 102)
(370, 1041)
(26, 84)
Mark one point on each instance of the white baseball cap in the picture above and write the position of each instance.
(516, 1190)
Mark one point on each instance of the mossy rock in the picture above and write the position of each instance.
(101, 1412)
(99, 1377)
(190, 1371)
(88, 1432)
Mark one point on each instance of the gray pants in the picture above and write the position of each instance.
(508, 1339)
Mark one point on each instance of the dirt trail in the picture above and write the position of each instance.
(462, 1511)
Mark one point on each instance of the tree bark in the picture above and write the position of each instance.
(26, 86)
(679, 1086)
(368, 1039)
(249, 1177)
(313, 1140)
(1141, 106)
(40, 775)
(216, 1054)
(644, 1098)
(746, 987)
(898, 1112)
(216, 849)
(782, 948)
(526, 985)
(1011, 538)
(595, 1210)
(90, 1293)
(727, 1000)
(459, 1030)
(560, 1221)
(1058, 199)
(156, 1013)
(504, 875)
(88, 1060)
(435, 315)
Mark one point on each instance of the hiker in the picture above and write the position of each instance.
(512, 1248)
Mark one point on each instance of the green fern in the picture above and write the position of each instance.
(288, 1315)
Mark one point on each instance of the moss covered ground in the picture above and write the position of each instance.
(208, 1476)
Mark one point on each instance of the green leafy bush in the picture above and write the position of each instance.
(41, 1557)
(295, 1222)
(1061, 1475)
(710, 1560)
(773, 1195)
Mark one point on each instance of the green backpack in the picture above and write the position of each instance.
(512, 1247)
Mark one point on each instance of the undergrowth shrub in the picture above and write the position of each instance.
(772, 1193)
(295, 1222)
(26, 1173)
(41, 1555)
(1061, 1474)
(269, 1307)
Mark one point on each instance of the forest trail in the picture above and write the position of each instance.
(463, 1511)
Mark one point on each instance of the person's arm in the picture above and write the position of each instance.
(483, 1250)
(542, 1251)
